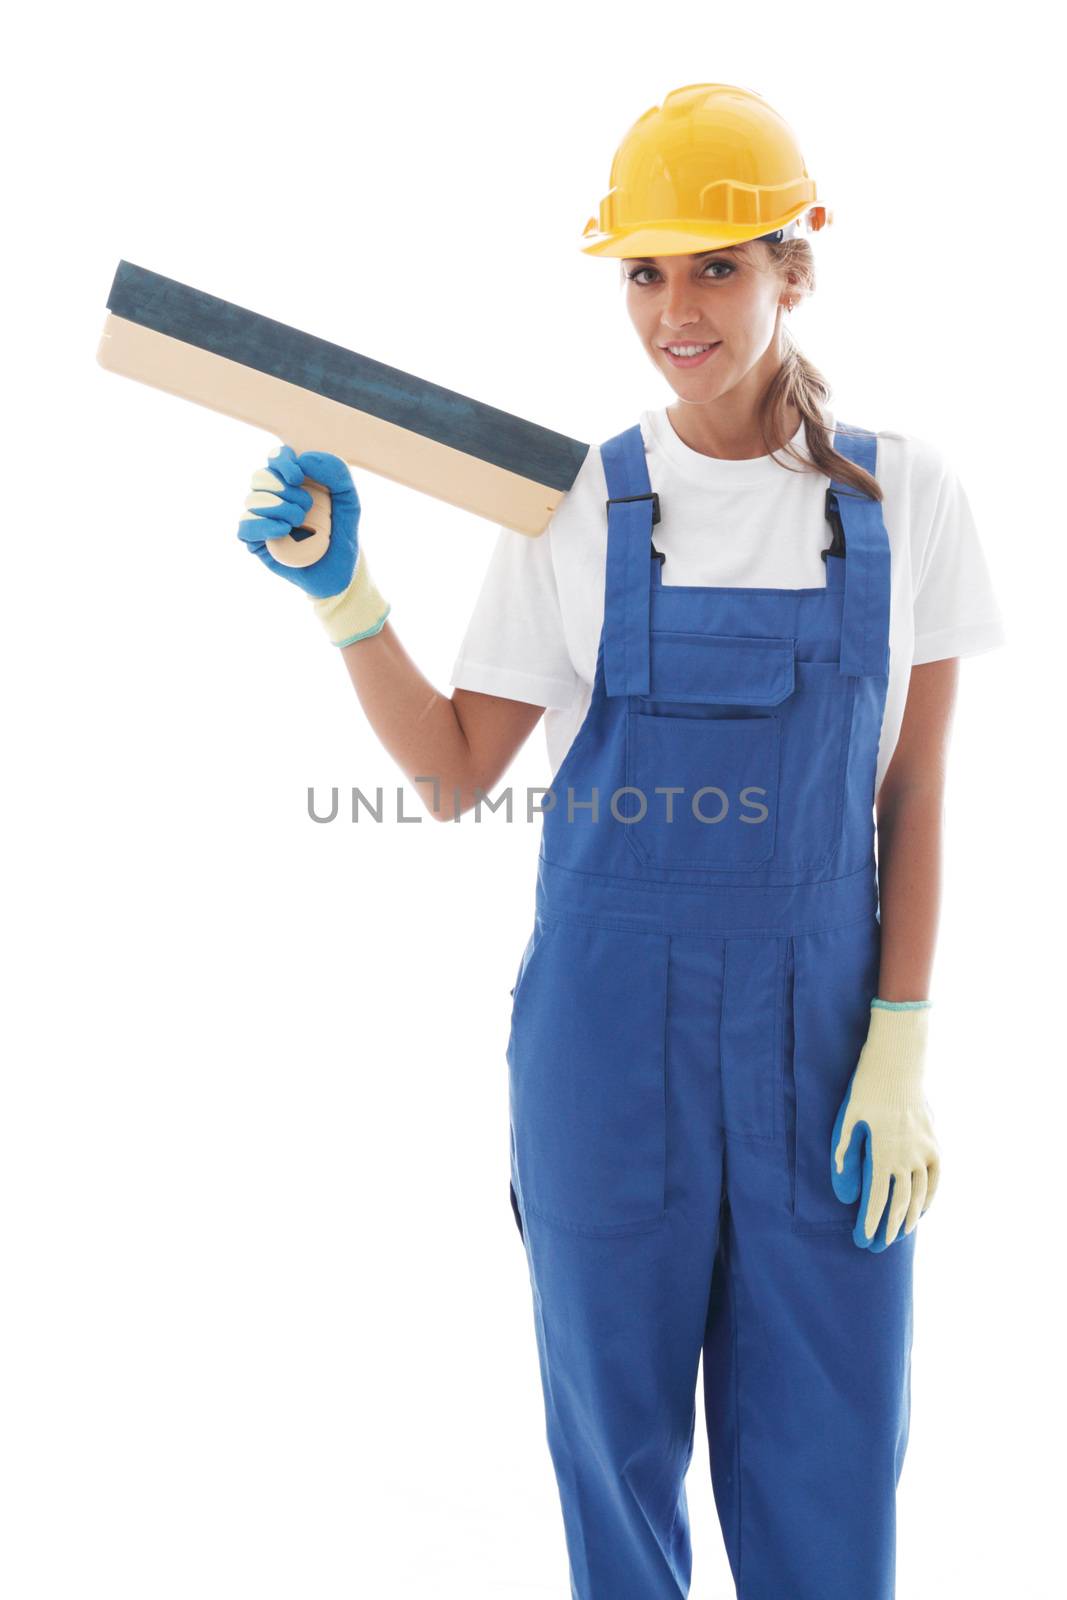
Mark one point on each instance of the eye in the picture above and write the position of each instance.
(726, 267)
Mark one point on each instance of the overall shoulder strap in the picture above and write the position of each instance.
(631, 506)
(865, 612)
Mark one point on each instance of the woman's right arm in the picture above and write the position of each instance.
(465, 742)
(452, 750)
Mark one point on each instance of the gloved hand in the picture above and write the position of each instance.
(883, 1129)
(339, 582)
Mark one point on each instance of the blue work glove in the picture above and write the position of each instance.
(339, 582)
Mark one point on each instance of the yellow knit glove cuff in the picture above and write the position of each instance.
(357, 612)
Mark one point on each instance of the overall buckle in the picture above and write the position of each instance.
(625, 499)
(833, 517)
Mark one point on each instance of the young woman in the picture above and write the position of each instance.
(743, 625)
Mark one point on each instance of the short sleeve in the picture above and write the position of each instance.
(956, 609)
(515, 644)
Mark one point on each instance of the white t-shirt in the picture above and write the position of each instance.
(535, 628)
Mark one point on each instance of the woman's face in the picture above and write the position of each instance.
(727, 298)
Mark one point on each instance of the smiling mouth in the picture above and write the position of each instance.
(701, 354)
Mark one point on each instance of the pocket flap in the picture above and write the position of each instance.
(720, 669)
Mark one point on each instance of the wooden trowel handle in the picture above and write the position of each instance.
(305, 551)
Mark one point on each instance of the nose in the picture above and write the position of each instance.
(678, 313)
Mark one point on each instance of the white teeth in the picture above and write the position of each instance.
(687, 349)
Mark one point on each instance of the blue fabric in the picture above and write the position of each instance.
(687, 1015)
(332, 573)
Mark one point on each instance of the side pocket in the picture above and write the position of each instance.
(835, 975)
(513, 1159)
(587, 1062)
(533, 944)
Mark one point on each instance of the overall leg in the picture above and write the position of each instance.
(807, 1394)
(808, 1345)
(620, 1306)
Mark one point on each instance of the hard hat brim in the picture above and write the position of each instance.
(682, 238)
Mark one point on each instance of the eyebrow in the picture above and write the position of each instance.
(696, 256)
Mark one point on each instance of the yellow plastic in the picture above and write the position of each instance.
(712, 166)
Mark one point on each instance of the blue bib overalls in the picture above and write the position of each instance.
(688, 1012)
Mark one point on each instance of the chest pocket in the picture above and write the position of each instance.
(737, 756)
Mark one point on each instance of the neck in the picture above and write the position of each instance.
(728, 426)
(727, 436)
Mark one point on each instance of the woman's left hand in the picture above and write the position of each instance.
(883, 1130)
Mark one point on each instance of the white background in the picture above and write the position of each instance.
(266, 1325)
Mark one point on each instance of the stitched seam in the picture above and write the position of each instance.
(799, 994)
(737, 1413)
(666, 1071)
(723, 1001)
(596, 1230)
(654, 888)
(789, 1066)
(701, 933)
(779, 1038)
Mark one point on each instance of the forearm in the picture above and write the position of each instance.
(909, 878)
(419, 726)
(415, 722)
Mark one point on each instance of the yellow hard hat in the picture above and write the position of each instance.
(712, 166)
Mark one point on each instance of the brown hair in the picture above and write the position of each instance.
(800, 383)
